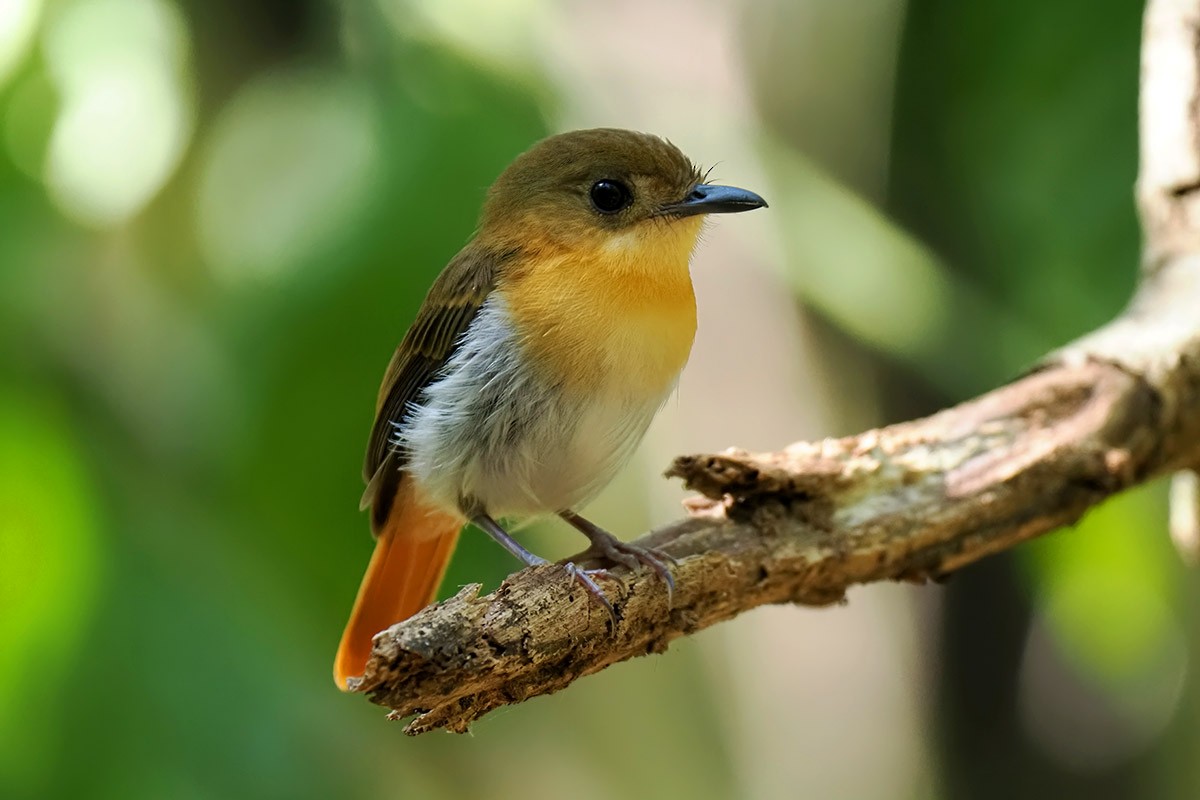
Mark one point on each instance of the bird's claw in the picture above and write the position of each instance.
(633, 556)
(584, 577)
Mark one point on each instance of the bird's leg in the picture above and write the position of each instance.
(606, 545)
(497, 532)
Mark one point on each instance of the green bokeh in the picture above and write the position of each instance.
(50, 570)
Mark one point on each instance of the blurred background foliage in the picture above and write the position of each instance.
(217, 218)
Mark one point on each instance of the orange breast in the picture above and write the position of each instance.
(616, 314)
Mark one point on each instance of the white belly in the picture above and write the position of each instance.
(491, 435)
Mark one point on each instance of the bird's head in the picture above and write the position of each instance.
(630, 200)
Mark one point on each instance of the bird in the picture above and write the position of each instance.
(534, 366)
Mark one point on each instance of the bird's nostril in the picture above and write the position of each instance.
(697, 194)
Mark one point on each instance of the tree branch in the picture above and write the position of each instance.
(913, 501)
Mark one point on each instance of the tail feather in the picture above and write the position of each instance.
(410, 558)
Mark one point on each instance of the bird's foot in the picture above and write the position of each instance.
(605, 545)
(584, 578)
(576, 573)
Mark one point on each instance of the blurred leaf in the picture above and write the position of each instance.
(126, 114)
(1105, 682)
(1107, 589)
(880, 284)
(30, 116)
(1014, 155)
(18, 21)
(49, 574)
(290, 163)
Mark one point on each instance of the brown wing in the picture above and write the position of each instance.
(452, 302)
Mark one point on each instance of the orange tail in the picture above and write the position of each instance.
(410, 557)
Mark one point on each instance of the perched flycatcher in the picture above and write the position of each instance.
(535, 364)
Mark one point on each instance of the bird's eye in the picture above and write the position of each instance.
(609, 196)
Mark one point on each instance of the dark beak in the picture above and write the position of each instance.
(709, 199)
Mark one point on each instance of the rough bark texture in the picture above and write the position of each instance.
(912, 501)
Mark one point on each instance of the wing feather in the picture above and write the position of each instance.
(452, 303)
